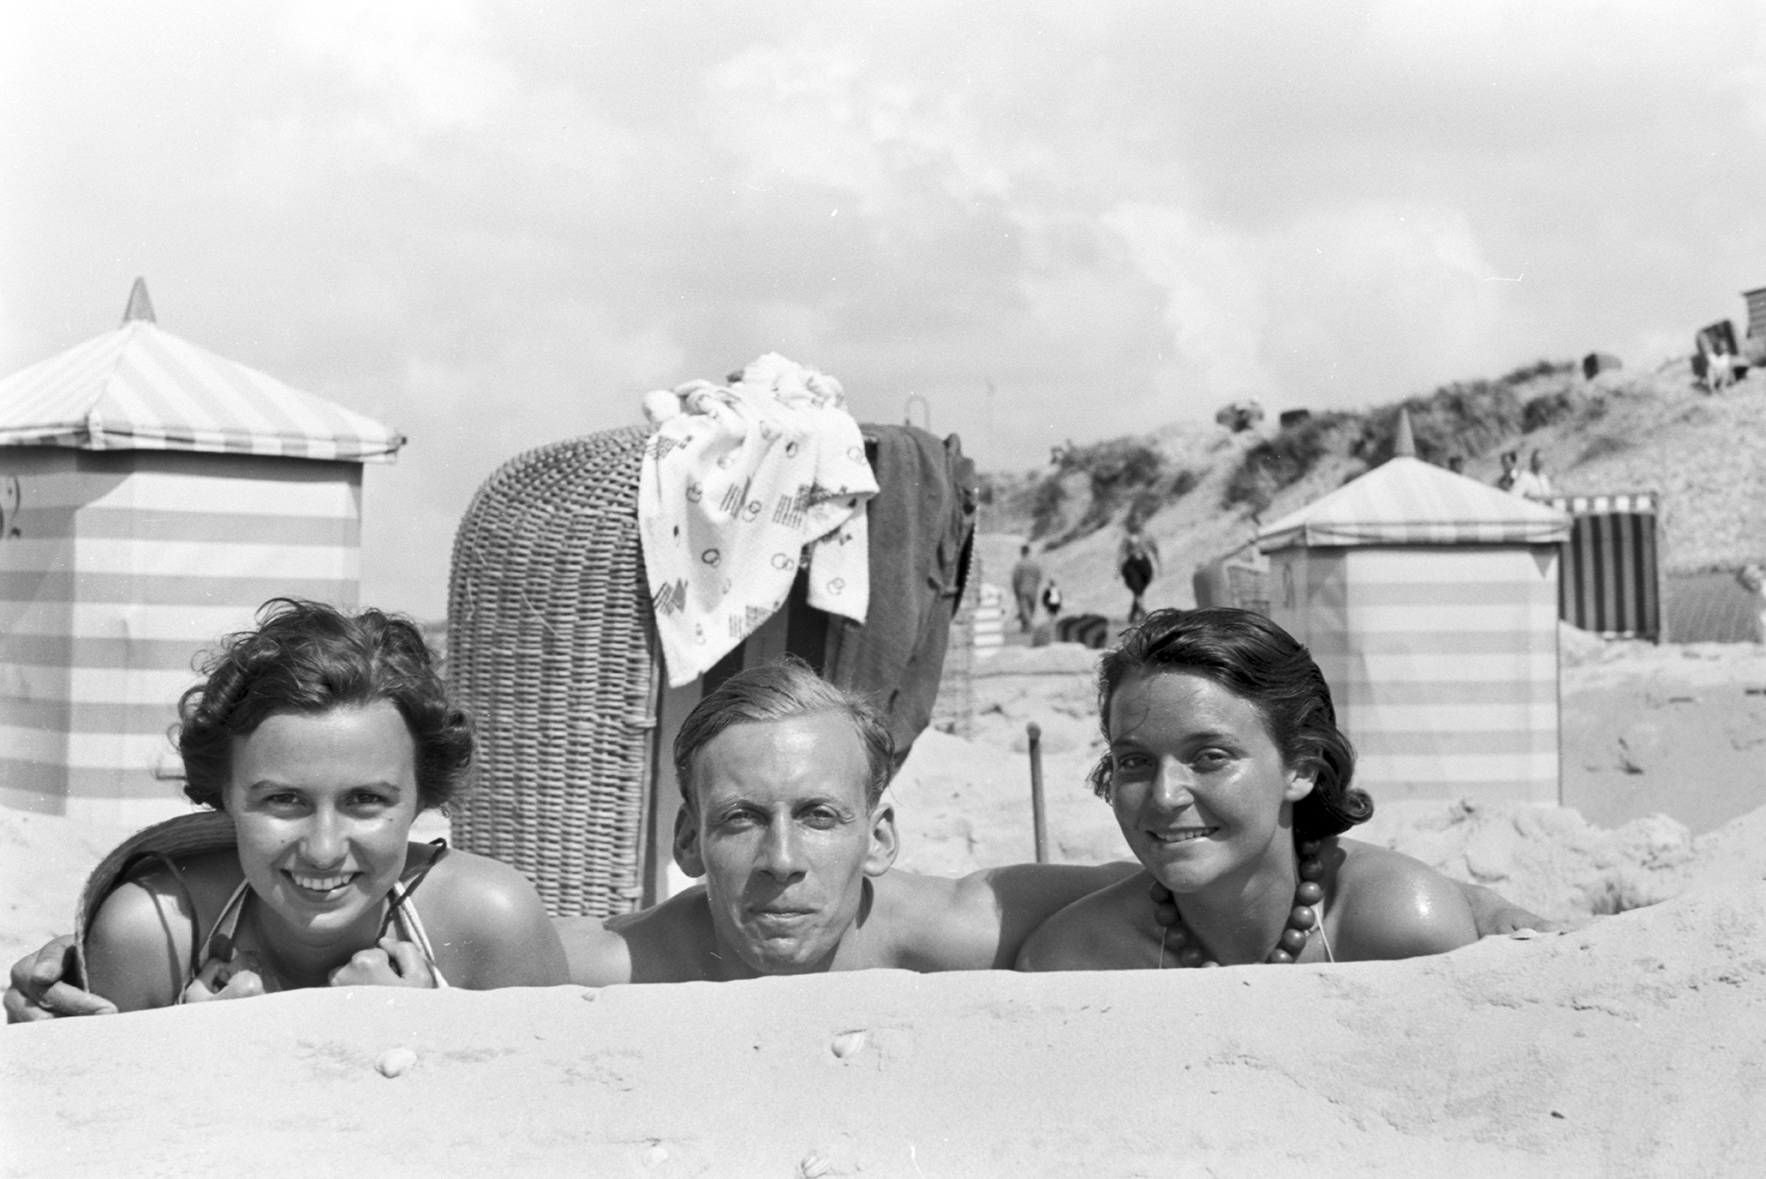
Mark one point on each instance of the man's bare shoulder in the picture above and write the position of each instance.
(978, 921)
(1090, 933)
(669, 942)
(926, 923)
(596, 956)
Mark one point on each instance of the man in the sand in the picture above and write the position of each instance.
(785, 819)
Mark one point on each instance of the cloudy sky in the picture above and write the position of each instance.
(495, 225)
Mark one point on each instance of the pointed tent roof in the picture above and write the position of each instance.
(1403, 441)
(142, 388)
(1408, 501)
(140, 306)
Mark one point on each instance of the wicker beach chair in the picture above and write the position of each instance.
(552, 647)
(549, 646)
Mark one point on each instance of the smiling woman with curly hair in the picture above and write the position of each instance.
(321, 736)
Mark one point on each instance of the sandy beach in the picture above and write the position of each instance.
(1628, 1045)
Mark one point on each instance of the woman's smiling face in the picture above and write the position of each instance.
(1198, 786)
(323, 803)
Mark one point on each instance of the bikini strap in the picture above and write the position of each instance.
(401, 891)
(162, 860)
(403, 910)
(219, 942)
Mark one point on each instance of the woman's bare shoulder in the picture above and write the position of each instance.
(143, 935)
(1095, 932)
(1393, 906)
(469, 878)
(473, 892)
(488, 922)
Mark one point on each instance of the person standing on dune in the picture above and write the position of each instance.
(1137, 559)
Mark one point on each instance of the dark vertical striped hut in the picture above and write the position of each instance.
(1611, 580)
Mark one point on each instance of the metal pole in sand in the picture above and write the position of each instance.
(1038, 815)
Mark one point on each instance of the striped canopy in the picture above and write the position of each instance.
(1408, 501)
(142, 388)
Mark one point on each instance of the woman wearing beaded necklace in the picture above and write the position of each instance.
(1231, 782)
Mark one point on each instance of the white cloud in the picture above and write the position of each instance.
(820, 113)
(495, 224)
(1214, 309)
(425, 60)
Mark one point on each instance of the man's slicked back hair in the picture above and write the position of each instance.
(777, 691)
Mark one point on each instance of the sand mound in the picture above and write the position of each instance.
(1630, 1047)
(1547, 859)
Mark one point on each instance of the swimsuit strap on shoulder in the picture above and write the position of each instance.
(403, 912)
(219, 942)
(159, 859)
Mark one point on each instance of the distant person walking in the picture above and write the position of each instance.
(1026, 580)
(1533, 483)
(1137, 559)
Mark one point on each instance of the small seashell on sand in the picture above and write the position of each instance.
(395, 1061)
(848, 1044)
(813, 1166)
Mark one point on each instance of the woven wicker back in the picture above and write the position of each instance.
(549, 647)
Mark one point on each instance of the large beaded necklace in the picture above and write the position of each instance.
(1301, 921)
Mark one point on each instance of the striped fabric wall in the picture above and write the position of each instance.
(124, 567)
(990, 621)
(1442, 663)
(1610, 580)
(1756, 313)
(954, 709)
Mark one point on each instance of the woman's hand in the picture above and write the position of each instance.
(393, 964)
(241, 978)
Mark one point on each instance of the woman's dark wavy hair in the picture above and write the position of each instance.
(307, 657)
(1258, 661)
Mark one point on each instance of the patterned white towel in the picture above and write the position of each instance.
(736, 481)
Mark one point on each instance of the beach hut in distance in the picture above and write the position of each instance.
(152, 496)
(1430, 602)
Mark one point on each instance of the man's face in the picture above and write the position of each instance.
(776, 821)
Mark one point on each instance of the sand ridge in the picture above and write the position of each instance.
(1632, 1046)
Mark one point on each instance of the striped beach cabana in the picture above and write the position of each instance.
(1430, 601)
(1611, 583)
(152, 496)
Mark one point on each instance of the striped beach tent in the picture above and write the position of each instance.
(152, 496)
(1611, 582)
(1430, 602)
